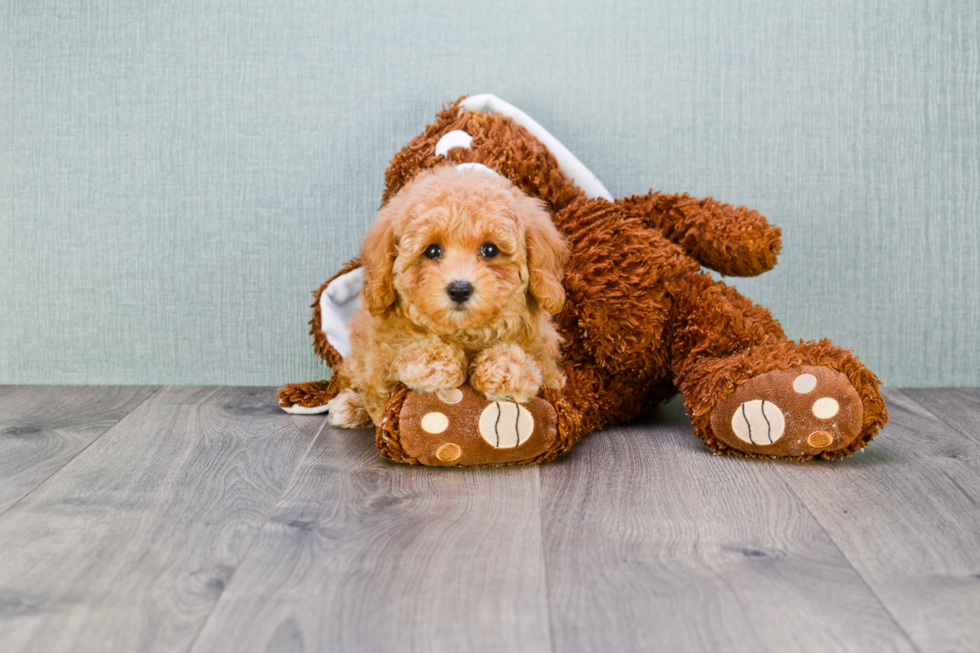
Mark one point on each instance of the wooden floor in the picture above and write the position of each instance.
(204, 519)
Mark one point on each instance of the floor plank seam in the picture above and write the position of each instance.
(850, 562)
(81, 451)
(544, 565)
(258, 533)
(956, 427)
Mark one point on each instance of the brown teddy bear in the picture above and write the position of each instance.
(640, 322)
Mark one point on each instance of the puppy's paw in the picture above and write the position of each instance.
(505, 371)
(347, 411)
(429, 365)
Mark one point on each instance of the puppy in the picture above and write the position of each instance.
(462, 273)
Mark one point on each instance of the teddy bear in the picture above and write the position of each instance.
(641, 321)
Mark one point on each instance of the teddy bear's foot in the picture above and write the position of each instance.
(306, 398)
(799, 412)
(460, 427)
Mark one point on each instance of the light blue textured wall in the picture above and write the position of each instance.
(175, 177)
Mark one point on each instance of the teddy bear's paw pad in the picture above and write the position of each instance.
(460, 427)
(758, 422)
(797, 412)
(506, 424)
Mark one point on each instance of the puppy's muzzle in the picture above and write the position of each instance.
(459, 291)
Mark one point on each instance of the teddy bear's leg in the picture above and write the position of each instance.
(735, 241)
(750, 390)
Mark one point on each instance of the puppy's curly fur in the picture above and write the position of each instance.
(479, 232)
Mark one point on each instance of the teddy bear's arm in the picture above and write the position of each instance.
(733, 241)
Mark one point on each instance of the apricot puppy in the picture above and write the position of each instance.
(462, 274)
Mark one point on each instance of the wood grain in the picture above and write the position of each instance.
(362, 554)
(206, 520)
(43, 427)
(129, 546)
(651, 543)
(958, 408)
(907, 515)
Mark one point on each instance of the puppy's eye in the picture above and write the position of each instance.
(489, 250)
(432, 252)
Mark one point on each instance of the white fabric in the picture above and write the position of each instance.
(570, 165)
(303, 410)
(455, 138)
(479, 167)
(338, 302)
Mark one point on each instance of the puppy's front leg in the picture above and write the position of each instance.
(505, 371)
(428, 365)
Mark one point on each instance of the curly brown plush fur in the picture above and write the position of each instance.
(641, 321)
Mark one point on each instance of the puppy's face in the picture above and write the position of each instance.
(457, 250)
(461, 265)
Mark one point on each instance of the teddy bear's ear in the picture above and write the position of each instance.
(547, 253)
(377, 259)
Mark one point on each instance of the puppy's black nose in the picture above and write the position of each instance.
(459, 291)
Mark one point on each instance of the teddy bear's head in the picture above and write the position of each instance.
(483, 130)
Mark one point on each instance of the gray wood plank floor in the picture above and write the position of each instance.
(43, 427)
(204, 519)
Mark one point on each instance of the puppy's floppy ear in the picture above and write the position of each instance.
(547, 253)
(377, 258)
